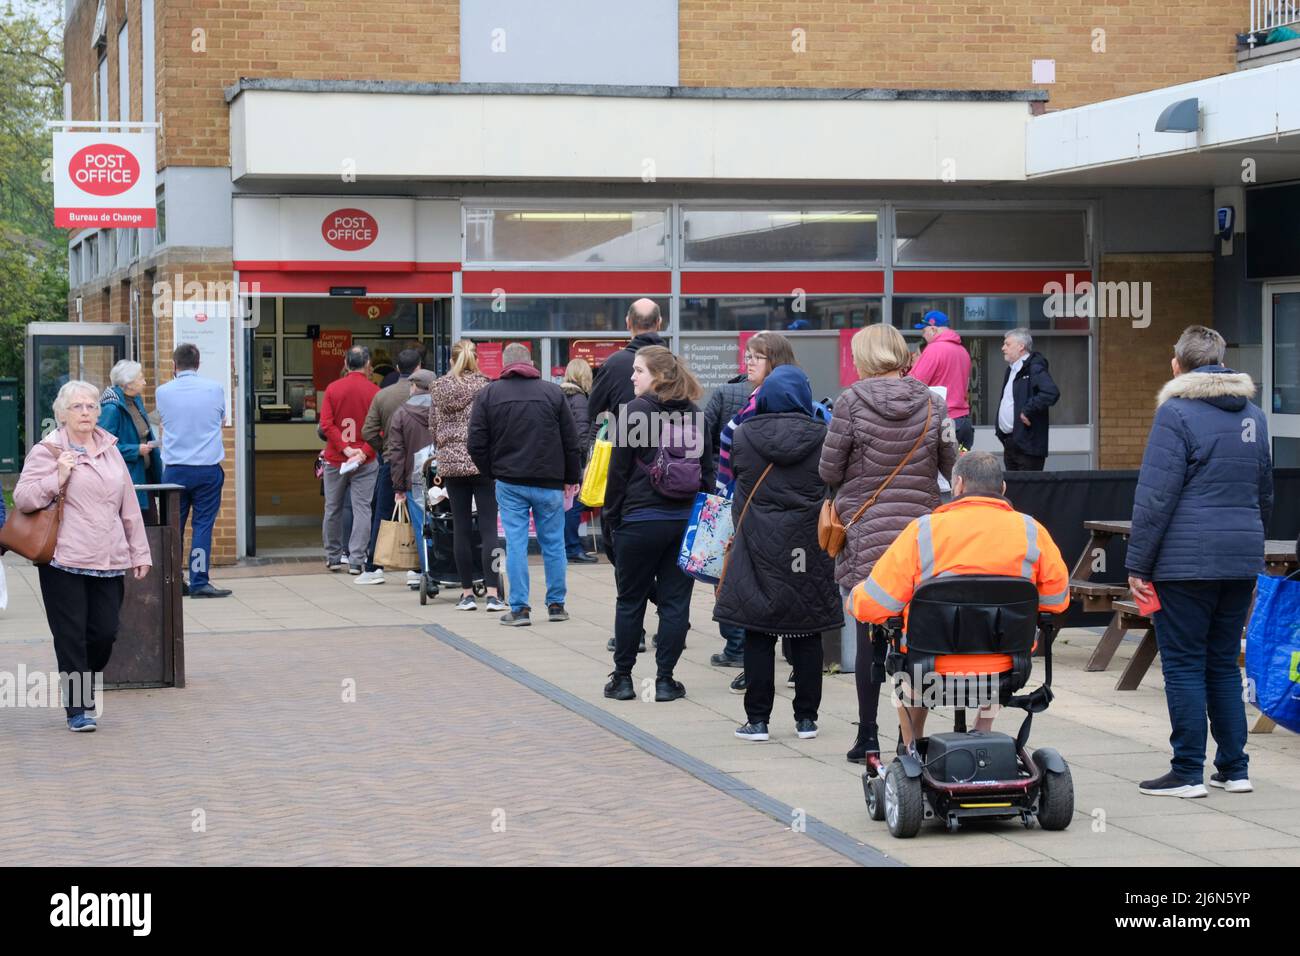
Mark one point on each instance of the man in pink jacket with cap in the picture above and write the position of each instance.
(945, 361)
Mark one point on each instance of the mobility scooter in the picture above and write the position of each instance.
(969, 643)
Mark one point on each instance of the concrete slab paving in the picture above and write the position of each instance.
(1112, 739)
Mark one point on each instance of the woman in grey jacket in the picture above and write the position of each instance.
(875, 427)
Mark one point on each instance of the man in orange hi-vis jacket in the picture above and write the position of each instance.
(978, 532)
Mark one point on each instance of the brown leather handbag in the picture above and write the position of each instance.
(34, 534)
(831, 533)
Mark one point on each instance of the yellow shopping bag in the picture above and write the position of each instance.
(593, 479)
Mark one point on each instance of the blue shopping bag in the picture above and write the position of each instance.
(708, 533)
(1273, 649)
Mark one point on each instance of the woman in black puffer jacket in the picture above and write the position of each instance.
(777, 581)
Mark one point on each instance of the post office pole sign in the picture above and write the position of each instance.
(104, 180)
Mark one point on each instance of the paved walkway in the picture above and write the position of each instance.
(413, 771)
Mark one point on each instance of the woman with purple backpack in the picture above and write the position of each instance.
(661, 459)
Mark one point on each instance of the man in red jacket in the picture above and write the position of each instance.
(946, 362)
(350, 463)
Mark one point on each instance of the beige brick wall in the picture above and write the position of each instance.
(414, 40)
(939, 44)
(1134, 363)
(952, 45)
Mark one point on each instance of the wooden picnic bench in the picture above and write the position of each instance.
(1096, 596)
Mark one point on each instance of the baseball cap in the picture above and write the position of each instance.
(933, 317)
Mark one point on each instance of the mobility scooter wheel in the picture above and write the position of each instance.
(875, 787)
(904, 802)
(1055, 798)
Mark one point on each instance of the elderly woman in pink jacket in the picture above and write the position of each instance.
(100, 538)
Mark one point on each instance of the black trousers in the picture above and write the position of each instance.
(760, 675)
(869, 673)
(1013, 459)
(83, 612)
(647, 565)
(965, 431)
(460, 493)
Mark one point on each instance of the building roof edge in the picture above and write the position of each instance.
(286, 85)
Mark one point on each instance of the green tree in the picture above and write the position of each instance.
(33, 253)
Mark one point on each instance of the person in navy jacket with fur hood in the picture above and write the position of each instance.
(1203, 501)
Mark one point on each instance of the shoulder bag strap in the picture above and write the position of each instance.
(929, 414)
(722, 576)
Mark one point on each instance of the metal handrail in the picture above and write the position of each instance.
(1267, 14)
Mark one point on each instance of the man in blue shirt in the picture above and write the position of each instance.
(192, 410)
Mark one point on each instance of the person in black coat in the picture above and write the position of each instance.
(646, 523)
(777, 581)
(612, 387)
(1027, 393)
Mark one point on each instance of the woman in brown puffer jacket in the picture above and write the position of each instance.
(874, 425)
(449, 411)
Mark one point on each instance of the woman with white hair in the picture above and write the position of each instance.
(100, 537)
(122, 415)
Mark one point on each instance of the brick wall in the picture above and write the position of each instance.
(1134, 363)
(947, 45)
(416, 40)
(940, 44)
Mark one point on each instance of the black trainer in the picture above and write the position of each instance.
(753, 730)
(668, 689)
(806, 729)
(556, 612)
(789, 681)
(723, 660)
(1171, 785)
(867, 742)
(620, 687)
(739, 685)
(518, 618)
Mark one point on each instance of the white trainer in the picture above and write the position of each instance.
(1243, 785)
(371, 577)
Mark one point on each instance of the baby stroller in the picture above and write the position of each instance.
(439, 548)
(993, 622)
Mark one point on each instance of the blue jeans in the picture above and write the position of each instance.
(735, 638)
(1198, 631)
(202, 484)
(572, 520)
(381, 510)
(416, 511)
(547, 505)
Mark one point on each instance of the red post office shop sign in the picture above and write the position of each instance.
(350, 230)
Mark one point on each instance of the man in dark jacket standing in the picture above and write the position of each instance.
(522, 435)
(375, 431)
(1203, 501)
(1027, 393)
(612, 388)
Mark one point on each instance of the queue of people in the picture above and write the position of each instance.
(518, 444)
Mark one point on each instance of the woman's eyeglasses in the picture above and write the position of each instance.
(83, 407)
